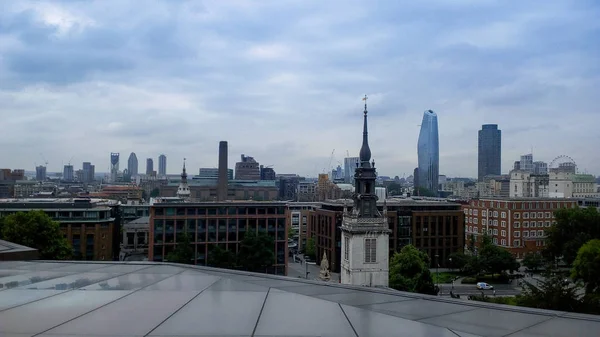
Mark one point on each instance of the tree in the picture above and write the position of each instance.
(459, 260)
(311, 249)
(553, 293)
(409, 271)
(394, 189)
(472, 242)
(533, 260)
(37, 230)
(155, 193)
(573, 228)
(496, 259)
(221, 258)
(587, 266)
(291, 232)
(183, 252)
(424, 192)
(256, 252)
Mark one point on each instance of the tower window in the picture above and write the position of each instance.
(346, 248)
(370, 250)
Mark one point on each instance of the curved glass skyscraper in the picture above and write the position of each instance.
(428, 150)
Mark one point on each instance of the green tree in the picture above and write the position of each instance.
(221, 258)
(155, 193)
(183, 252)
(291, 232)
(409, 271)
(574, 227)
(424, 192)
(586, 267)
(36, 229)
(472, 243)
(256, 252)
(459, 260)
(394, 189)
(533, 260)
(311, 249)
(553, 293)
(496, 259)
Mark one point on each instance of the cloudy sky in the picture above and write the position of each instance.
(282, 81)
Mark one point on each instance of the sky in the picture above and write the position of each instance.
(282, 81)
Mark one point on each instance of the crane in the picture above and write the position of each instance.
(327, 169)
(44, 159)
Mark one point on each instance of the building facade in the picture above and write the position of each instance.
(213, 173)
(489, 151)
(92, 226)
(428, 150)
(247, 169)
(517, 224)
(350, 164)
(132, 165)
(162, 165)
(267, 173)
(68, 173)
(88, 172)
(40, 173)
(218, 223)
(114, 166)
(525, 184)
(149, 167)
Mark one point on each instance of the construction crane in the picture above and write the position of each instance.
(44, 159)
(347, 154)
(327, 169)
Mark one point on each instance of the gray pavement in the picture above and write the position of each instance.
(299, 268)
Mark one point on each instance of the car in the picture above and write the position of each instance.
(484, 286)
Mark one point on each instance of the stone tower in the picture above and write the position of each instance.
(183, 191)
(365, 231)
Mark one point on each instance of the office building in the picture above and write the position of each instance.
(213, 173)
(350, 164)
(149, 167)
(68, 173)
(526, 163)
(267, 173)
(132, 165)
(114, 167)
(88, 172)
(540, 167)
(489, 151)
(247, 169)
(288, 187)
(218, 223)
(429, 153)
(517, 224)
(223, 177)
(524, 184)
(162, 165)
(92, 226)
(40, 173)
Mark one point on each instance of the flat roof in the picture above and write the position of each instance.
(398, 202)
(56, 298)
(220, 203)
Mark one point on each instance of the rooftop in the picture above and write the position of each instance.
(161, 299)
(12, 251)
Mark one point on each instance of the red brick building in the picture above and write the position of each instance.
(516, 224)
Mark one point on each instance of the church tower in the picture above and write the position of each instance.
(365, 231)
(183, 191)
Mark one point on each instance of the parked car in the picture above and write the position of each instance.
(484, 286)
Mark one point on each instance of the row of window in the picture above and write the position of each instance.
(222, 210)
(527, 224)
(522, 205)
(370, 250)
(534, 215)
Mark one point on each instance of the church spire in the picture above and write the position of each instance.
(365, 151)
(183, 191)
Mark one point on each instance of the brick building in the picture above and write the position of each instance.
(92, 226)
(217, 223)
(435, 227)
(517, 224)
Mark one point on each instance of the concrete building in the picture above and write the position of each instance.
(516, 224)
(92, 226)
(213, 173)
(114, 167)
(526, 163)
(132, 165)
(365, 230)
(149, 167)
(525, 184)
(299, 213)
(31, 189)
(88, 172)
(381, 193)
(540, 167)
(428, 150)
(68, 173)
(162, 165)
(489, 151)
(218, 223)
(247, 169)
(223, 177)
(307, 191)
(350, 164)
(8, 178)
(267, 173)
(135, 240)
(288, 187)
(40, 173)
(585, 186)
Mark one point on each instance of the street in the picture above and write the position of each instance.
(297, 269)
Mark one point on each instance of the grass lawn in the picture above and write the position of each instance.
(444, 277)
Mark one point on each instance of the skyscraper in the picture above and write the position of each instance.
(350, 164)
(68, 174)
(40, 173)
(489, 151)
(114, 166)
(132, 165)
(527, 162)
(88, 172)
(428, 150)
(162, 165)
(149, 166)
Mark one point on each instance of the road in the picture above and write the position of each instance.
(297, 269)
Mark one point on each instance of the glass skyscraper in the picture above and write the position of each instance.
(489, 151)
(428, 150)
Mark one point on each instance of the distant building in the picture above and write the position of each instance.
(114, 167)
(381, 193)
(149, 167)
(8, 178)
(489, 151)
(88, 172)
(247, 169)
(524, 184)
(183, 191)
(213, 173)
(526, 163)
(288, 188)
(132, 164)
(540, 167)
(162, 165)
(428, 150)
(267, 173)
(68, 173)
(40, 173)
(350, 164)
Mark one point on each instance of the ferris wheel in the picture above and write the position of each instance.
(563, 162)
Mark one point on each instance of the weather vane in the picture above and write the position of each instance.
(365, 99)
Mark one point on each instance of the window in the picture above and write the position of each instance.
(548, 215)
(540, 224)
(517, 243)
(540, 233)
(475, 212)
(517, 234)
(495, 241)
(370, 250)
(475, 221)
(517, 224)
(495, 213)
(490, 232)
(547, 224)
(470, 228)
(526, 234)
(495, 222)
(532, 234)
(470, 220)
(503, 223)
(532, 215)
(466, 211)
(484, 222)
(484, 213)
(504, 242)
(475, 229)
(540, 215)
(525, 215)
(525, 224)
(346, 248)
(503, 215)
(503, 233)
(470, 211)
(517, 215)
(495, 231)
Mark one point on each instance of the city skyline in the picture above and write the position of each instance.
(81, 79)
